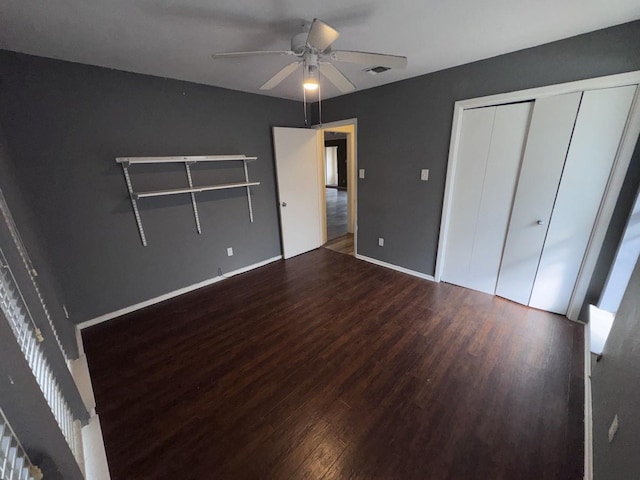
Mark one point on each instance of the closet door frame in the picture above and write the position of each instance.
(620, 165)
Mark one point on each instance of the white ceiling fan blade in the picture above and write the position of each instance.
(336, 77)
(280, 76)
(217, 56)
(321, 35)
(373, 59)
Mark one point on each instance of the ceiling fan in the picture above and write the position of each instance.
(312, 48)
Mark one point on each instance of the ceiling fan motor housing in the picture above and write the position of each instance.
(311, 59)
(299, 43)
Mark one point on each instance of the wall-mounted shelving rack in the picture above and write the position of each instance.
(126, 162)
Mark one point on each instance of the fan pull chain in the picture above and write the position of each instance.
(319, 102)
(304, 101)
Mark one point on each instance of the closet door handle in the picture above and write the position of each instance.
(540, 222)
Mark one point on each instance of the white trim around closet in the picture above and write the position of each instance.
(621, 163)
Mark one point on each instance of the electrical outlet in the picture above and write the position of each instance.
(381, 242)
(230, 252)
(424, 174)
(361, 173)
(613, 429)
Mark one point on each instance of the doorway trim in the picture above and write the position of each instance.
(616, 179)
(350, 127)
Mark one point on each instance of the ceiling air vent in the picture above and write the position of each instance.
(376, 70)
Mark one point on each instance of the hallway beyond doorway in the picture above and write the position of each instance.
(336, 212)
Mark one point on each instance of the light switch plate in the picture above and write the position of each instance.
(381, 242)
(361, 173)
(230, 252)
(424, 174)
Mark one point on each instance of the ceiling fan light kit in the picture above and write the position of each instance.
(311, 79)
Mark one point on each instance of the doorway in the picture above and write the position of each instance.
(300, 175)
(338, 158)
(335, 163)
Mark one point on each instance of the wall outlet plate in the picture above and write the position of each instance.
(381, 242)
(613, 429)
(361, 173)
(230, 252)
(424, 174)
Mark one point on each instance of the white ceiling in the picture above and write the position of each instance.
(175, 38)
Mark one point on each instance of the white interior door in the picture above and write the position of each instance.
(549, 136)
(596, 137)
(298, 167)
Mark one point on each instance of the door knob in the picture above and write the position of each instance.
(540, 222)
(284, 204)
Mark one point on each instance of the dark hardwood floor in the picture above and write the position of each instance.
(327, 367)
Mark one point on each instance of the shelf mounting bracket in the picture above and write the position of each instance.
(246, 179)
(193, 196)
(134, 203)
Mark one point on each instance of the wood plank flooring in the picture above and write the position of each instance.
(327, 367)
(343, 244)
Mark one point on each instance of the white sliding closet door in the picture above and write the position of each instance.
(505, 156)
(549, 136)
(491, 145)
(596, 137)
(475, 140)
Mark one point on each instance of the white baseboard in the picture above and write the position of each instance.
(588, 408)
(79, 341)
(175, 293)
(95, 464)
(95, 456)
(395, 267)
(80, 372)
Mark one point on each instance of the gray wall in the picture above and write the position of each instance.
(406, 126)
(39, 255)
(616, 390)
(65, 123)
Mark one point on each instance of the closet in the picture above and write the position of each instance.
(528, 183)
